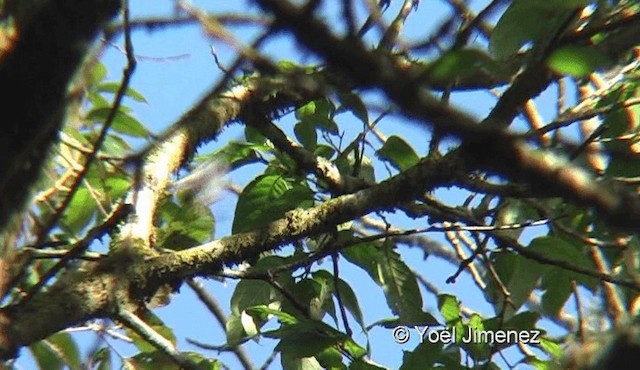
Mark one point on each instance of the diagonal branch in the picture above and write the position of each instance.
(484, 146)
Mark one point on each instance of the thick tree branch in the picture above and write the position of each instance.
(123, 281)
(85, 295)
(483, 145)
(51, 38)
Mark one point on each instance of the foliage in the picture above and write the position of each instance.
(542, 219)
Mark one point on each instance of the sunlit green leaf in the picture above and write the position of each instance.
(158, 326)
(122, 122)
(291, 362)
(237, 154)
(80, 211)
(250, 293)
(235, 330)
(330, 358)
(113, 87)
(449, 308)
(57, 352)
(318, 113)
(185, 225)
(577, 61)
(283, 317)
(98, 73)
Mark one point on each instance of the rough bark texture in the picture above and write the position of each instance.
(50, 42)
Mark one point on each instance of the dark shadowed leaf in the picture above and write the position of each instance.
(279, 193)
(423, 356)
(400, 154)
(529, 21)
(306, 134)
(395, 278)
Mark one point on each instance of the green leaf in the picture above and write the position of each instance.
(513, 211)
(115, 145)
(347, 295)
(521, 321)
(249, 293)
(397, 152)
(102, 359)
(80, 211)
(424, 356)
(304, 340)
(577, 61)
(237, 154)
(479, 350)
(306, 134)
(529, 21)
(122, 122)
(395, 278)
(113, 87)
(351, 102)
(517, 276)
(116, 186)
(318, 113)
(361, 364)
(554, 349)
(283, 317)
(564, 251)
(235, 330)
(279, 193)
(330, 358)
(156, 324)
(456, 65)
(185, 225)
(149, 360)
(98, 73)
(449, 307)
(56, 352)
(291, 362)
(557, 290)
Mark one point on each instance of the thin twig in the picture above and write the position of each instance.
(145, 331)
(210, 302)
(115, 106)
(336, 287)
(78, 248)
